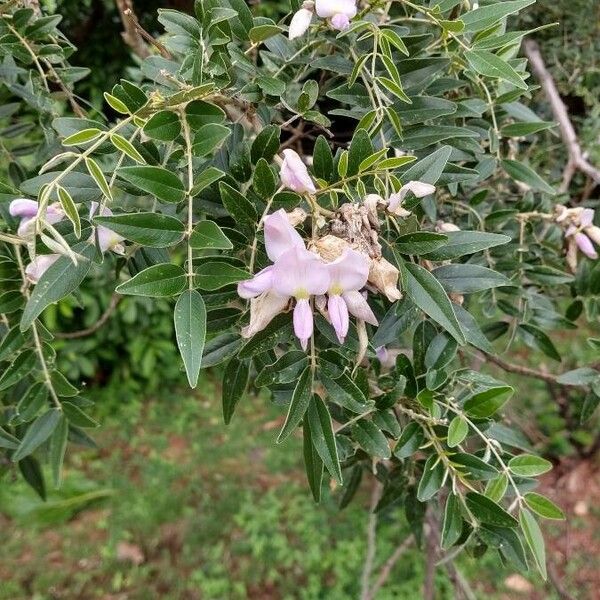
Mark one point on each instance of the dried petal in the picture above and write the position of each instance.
(384, 277)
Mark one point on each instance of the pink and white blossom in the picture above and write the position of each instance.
(581, 230)
(27, 211)
(348, 274)
(339, 12)
(107, 238)
(418, 188)
(39, 265)
(294, 174)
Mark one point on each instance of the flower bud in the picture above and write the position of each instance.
(300, 23)
(294, 174)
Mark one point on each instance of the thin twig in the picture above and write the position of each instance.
(431, 552)
(135, 36)
(577, 158)
(110, 309)
(389, 564)
(371, 540)
(521, 370)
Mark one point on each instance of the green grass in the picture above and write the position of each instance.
(215, 511)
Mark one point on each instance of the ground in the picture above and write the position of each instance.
(175, 505)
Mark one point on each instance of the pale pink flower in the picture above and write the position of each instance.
(585, 245)
(582, 230)
(39, 265)
(294, 174)
(338, 11)
(27, 211)
(300, 274)
(280, 236)
(348, 274)
(418, 188)
(107, 238)
(300, 23)
(260, 283)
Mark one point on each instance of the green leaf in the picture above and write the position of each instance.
(370, 439)
(157, 181)
(487, 511)
(263, 181)
(146, 228)
(32, 401)
(238, 206)
(190, 330)
(535, 540)
(70, 209)
(285, 369)
(125, 146)
(485, 404)
(582, 376)
(486, 16)
(116, 104)
(536, 338)
(468, 278)
(271, 86)
(323, 159)
(410, 441)
(496, 488)
(394, 162)
(164, 126)
(457, 431)
(361, 147)
(58, 446)
(590, 404)
(8, 440)
(488, 64)
(519, 171)
(213, 275)
(462, 243)
(419, 242)
(428, 294)
(528, 465)
(345, 392)
(58, 281)
(453, 522)
(33, 475)
(235, 380)
(524, 129)
(278, 330)
(209, 137)
(430, 168)
(82, 137)
(323, 438)
(543, 506)
(158, 281)
(393, 38)
(199, 113)
(208, 235)
(298, 405)
(23, 364)
(77, 417)
(473, 466)
(205, 179)
(432, 478)
(507, 542)
(266, 144)
(260, 33)
(312, 463)
(37, 433)
(96, 172)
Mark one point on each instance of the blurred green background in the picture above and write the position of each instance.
(173, 504)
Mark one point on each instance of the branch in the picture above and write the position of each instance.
(386, 570)
(114, 301)
(371, 540)
(135, 36)
(577, 159)
(521, 370)
(431, 555)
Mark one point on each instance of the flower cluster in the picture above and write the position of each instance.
(300, 275)
(580, 232)
(337, 12)
(27, 210)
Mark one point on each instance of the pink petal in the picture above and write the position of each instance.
(348, 272)
(105, 212)
(261, 282)
(280, 235)
(340, 22)
(294, 174)
(262, 310)
(300, 273)
(418, 188)
(39, 266)
(300, 23)
(585, 245)
(107, 238)
(303, 322)
(328, 8)
(338, 314)
(22, 207)
(357, 305)
(587, 217)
